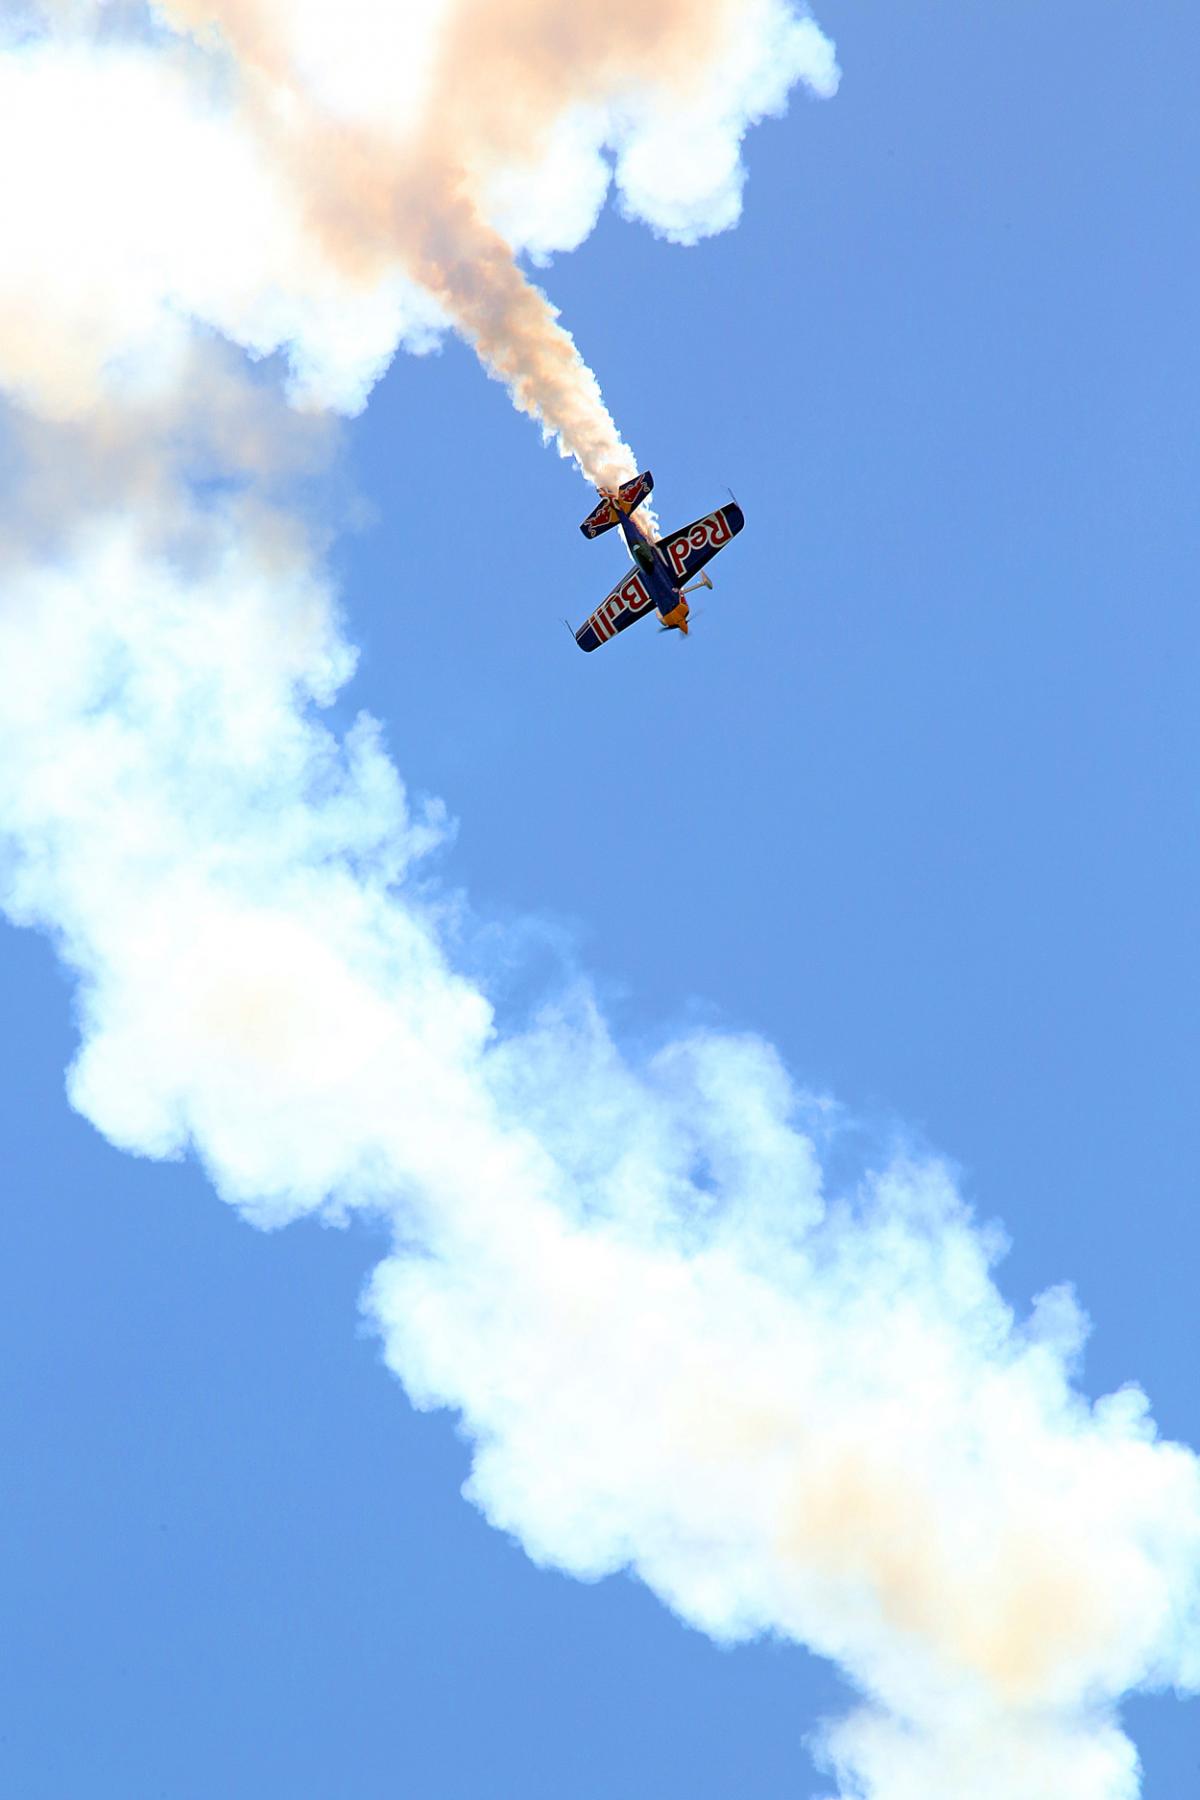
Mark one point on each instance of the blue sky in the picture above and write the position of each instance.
(916, 801)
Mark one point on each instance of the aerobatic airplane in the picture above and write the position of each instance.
(662, 571)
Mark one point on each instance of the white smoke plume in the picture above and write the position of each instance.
(788, 1411)
(334, 181)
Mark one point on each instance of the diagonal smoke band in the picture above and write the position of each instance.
(672, 1350)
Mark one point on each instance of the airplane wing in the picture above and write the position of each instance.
(630, 600)
(688, 549)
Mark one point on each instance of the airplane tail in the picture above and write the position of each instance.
(627, 499)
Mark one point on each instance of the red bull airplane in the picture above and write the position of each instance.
(663, 570)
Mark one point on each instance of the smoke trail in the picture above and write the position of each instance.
(672, 1349)
(511, 107)
(502, 81)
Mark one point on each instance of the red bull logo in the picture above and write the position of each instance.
(706, 534)
(599, 519)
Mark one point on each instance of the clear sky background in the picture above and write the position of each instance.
(917, 800)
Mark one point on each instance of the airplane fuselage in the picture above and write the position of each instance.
(650, 561)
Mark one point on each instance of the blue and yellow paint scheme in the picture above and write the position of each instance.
(663, 567)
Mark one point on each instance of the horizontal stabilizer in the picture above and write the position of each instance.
(628, 498)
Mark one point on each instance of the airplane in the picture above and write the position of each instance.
(663, 568)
